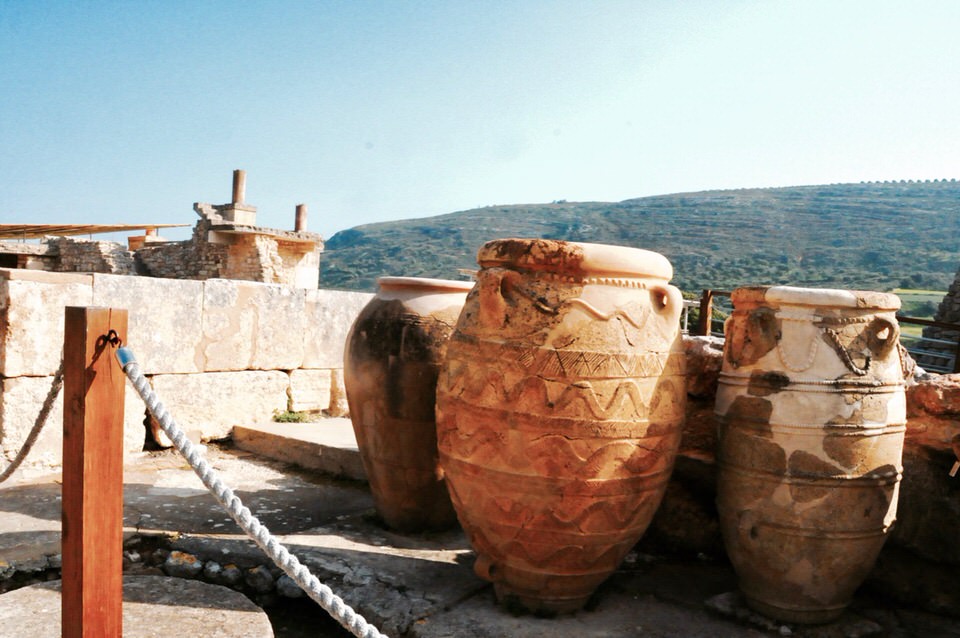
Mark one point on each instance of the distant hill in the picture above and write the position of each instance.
(873, 236)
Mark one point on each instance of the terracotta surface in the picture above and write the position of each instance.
(392, 357)
(811, 414)
(559, 410)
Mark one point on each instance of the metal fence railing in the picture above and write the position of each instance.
(933, 354)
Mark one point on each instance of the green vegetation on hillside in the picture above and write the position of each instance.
(921, 304)
(872, 236)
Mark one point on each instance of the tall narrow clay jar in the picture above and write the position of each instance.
(392, 357)
(559, 409)
(811, 415)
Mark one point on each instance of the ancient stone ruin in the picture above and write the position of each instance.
(226, 244)
(223, 353)
(947, 312)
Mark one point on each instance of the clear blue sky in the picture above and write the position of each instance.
(128, 112)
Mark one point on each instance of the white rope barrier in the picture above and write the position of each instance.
(37, 425)
(323, 595)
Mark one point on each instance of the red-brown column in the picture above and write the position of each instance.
(300, 220)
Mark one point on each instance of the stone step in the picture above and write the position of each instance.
(152, 606)
(328, 446)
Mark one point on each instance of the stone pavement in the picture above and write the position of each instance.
(418, 586)
(153, 607)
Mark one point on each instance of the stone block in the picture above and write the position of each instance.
(329, 316)
(163, 322)
(328, 445)
(938, 395)
(248, 325)
(338, 395)
(32, 317)
(20, 401)
(306, 272)
(213, 402)
(310, 390)
(152, 606)
(182, 565)
(704, 360)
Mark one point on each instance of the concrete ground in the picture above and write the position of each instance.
(153, 607)
(416, 586)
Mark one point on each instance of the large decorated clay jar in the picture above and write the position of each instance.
(391, 361)
(559, 410)
(811, 414)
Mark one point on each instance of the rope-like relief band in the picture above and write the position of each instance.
(323, 595)
(889, 477)
(811, 356)
(820, 385)
(807, 428)
(787, 315)
(639, 282)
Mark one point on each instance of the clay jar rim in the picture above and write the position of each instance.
(423, 283)
(816, 297)
(576, 259)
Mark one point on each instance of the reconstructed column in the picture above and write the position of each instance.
(239, 186)
(300, 223)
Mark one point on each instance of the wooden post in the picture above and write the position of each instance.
(92, 544)
(705, 321)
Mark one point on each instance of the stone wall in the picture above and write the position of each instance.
(221, 249)
(947, 312)
(219, 352)
(192, 259)
(30, 256)
(85, 255)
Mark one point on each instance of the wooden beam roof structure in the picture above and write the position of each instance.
(35, 231)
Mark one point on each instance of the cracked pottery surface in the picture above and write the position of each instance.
(811, 414)
(559, 412)
(391, 362)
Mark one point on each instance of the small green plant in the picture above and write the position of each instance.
(289, 416)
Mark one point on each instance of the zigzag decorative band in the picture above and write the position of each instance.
(617, 398)
(568, 363)
(571, 487)
(538, 423)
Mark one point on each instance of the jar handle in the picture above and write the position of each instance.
(876, 345)
(750, 335)
(892, 338)
(485, 568)
(668, 302)
(494, 286)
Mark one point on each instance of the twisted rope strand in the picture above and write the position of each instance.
(323, 595)
(34, 434)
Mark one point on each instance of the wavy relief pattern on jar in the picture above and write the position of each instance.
(559, 413)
